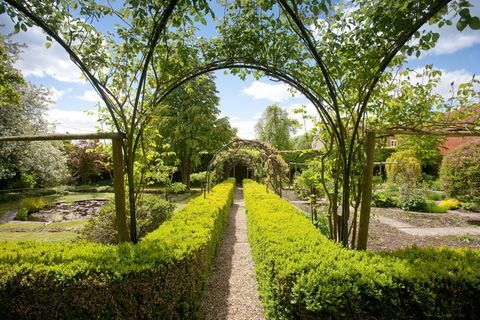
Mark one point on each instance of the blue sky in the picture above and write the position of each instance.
(457, 55)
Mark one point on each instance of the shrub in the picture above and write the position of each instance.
(471, 206)
(198, 178)
(383, 200)
(431, 207)
(303, 275)
(413, 202)
(435, 196)
(22, 214)
(151, 213)
(450, 204)
(460, 172)
(160, 278)
(33, 204)
(176, 187)
(308, 182)
(407, 168)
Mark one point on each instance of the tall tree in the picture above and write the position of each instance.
(275, 127)
(189, 122)
(10, 78)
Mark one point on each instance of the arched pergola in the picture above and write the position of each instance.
(269, 157)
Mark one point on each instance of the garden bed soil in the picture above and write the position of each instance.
(385, 237)
(430, 220)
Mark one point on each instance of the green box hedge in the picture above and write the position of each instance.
(160, 278)
(304, 275)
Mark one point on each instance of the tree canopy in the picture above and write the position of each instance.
(189, 121)
(276, 127)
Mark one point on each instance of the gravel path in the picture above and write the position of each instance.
(231, 292)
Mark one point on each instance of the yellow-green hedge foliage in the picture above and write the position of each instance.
(304, 275)
(160, 278)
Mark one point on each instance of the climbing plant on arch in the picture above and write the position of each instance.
(260, 158)
(333, 53)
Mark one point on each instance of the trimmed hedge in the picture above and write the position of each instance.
(304, 275)
(299, 156)
(160, 278)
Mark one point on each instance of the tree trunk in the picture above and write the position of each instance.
(186, 169)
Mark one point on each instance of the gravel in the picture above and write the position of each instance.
(231, 292)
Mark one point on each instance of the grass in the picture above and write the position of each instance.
(15, 204)
(20, 226)
(38, 236)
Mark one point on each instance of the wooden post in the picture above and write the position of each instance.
(119, 188)
(366, 191)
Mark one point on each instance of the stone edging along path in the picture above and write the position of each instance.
(231, 291)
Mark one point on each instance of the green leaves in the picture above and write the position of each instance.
(165, 271)
(302, 274)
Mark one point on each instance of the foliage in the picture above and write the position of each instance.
(450, 204)
(471, 206)
(413, 202)
(10, 78)
(160, 278)
(28, 164)
(309, 183)
(299, 156)
(275, 127)
(152, 212)
(459, 172)
(22, 214)
(426, 148)
(33, 204)
(383, 200)
(302, 142)
(176, 188)
(198, 178)
(189, 122)
(434, 195)
(266, 165)
(303, 275)
(88, 161)
(406, 169)
(431, 207)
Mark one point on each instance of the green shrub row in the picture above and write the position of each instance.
(299, 156)
(162, 277)
(304, 275)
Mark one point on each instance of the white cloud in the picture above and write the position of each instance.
(444, 87)
(72, 121)
(451, 40)
(90, 95)
(56, 94)
(456, 76)
(273, 92)
(246, 128)
(37, 60)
